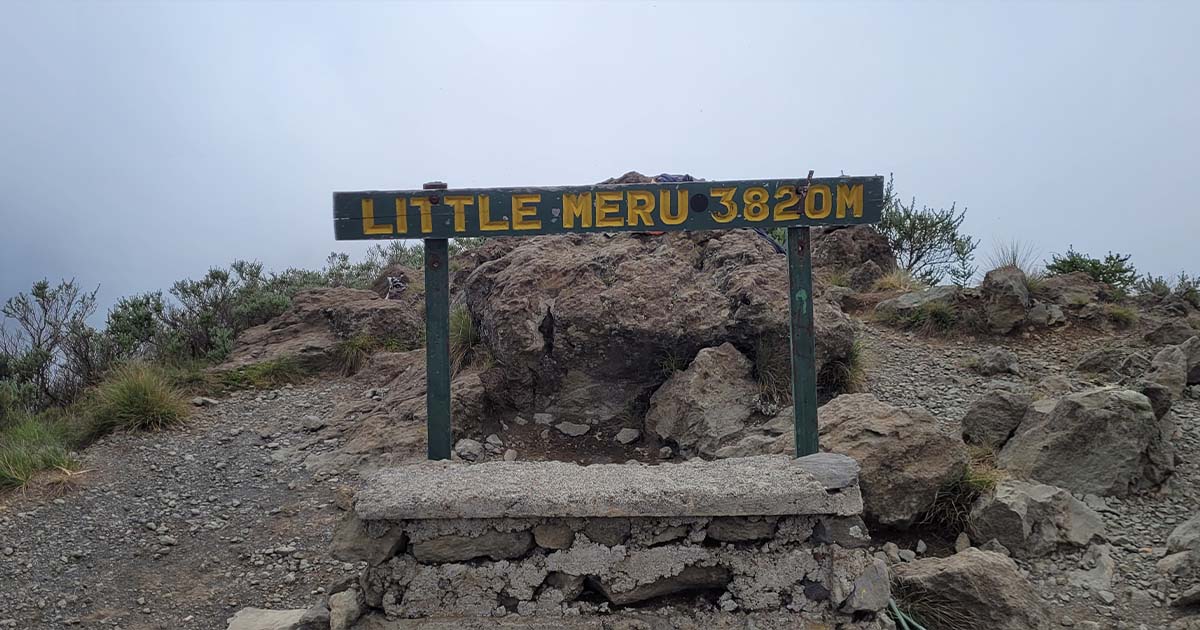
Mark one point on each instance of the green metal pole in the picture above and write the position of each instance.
(804, 373)
(437, 343)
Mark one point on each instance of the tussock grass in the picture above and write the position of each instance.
(932, 609)
(350, 355)
(773, 369)
(265, 375)
(898, 280)
(136, 397)
(846, 375)
(32, 444)
(953, 501)
(671, 362)
(1121, 316)
(932, 318)
(463, 338)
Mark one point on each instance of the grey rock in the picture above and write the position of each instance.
(1190, 597)
(995, 361)
(510, 455)
(356, 540)
(553, 536)
(1191, 350)
(490, 544)
(740, 528)
(1045, 315)
(994, 546)
(849, 532)
(344, 609)
(468, 449)
(1164, 382)
(607, 531)
(905, 459)
(985, 587)
(995, 415)
(1104, 441)
(748, 486)
(1006, 298)
(962, 542)
(1071, 290)
(1170, 333)
(1033, 519)
(573, 429)
(689, 579)
(262, 619)
(628, 435)
(543, 418)
(872, 590)
(315, 618)
(910, 304)
(312, 423)
(706, 405)
(1185, 536)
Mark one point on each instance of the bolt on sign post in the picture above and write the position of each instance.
(437, 214)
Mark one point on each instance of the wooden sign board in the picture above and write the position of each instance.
(422, 214)
(436, 215)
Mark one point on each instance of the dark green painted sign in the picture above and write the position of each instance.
(606, 208)
(437, 214)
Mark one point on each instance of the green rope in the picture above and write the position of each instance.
(903, 620)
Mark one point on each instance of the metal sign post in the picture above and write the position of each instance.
(436, 214)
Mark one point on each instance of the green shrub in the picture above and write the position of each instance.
(350, 355)
(136, 396)
(930, 318)
(463, 338)
(1114, 270)
(32, 444)
(845, 375)
(1186, 287)
(928, 242)
(953, 501)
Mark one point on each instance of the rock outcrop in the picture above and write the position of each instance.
(310, 330)
(581, 325)
(995, 415)
(1105, 441)
(971, 589)
(1006, 299)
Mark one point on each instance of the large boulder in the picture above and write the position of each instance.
(905, 459)
(319, 319)
(911, 305)
(1191, 350)
(851, 246)
(994, 416)
(263, 619)
(1185, 536)
(1006, 298)
(970, 589)
(702, 408)
(1163, 383)
(582, 325)
(1170, 333)
(1032, 519)
(995, 361)
(1104, 441)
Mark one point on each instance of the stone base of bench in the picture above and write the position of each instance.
(789, 539)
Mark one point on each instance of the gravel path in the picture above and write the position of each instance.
(178, 529)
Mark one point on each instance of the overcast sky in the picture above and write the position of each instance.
(143, 143)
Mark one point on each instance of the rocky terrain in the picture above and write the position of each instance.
(596, 349)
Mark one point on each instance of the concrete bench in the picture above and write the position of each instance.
(552, 538)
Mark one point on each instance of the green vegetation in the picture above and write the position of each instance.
(1114, 270)
(898, 280)
(1185, 287)
(931, 318)
(671, 362)
(933, 610)
(773, 369)
(846, 375)
(264, 375)
(30, 444)
(135, 397)
(1019, 255)
(463, 338)
(953, 502)
(928, 242)
(1121, 316)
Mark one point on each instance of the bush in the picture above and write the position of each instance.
(927, 242)
(350, 355)
(1120, 316)
(1114, 270)
(264, 375)
(845, 375)
(1186, 288)
(136, 397)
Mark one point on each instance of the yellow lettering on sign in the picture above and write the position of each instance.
(426, 208)
(401, 215)
(486, 223)
(731, 210)
(368, 219)
(460, 203)
(640, 204)
(810, 202)
(849, 198)
(669, 216)
(785, 210)
(577, 207)
(607, 213)
(756, 198)
(524, 216)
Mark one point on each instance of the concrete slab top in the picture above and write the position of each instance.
(767, 485)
